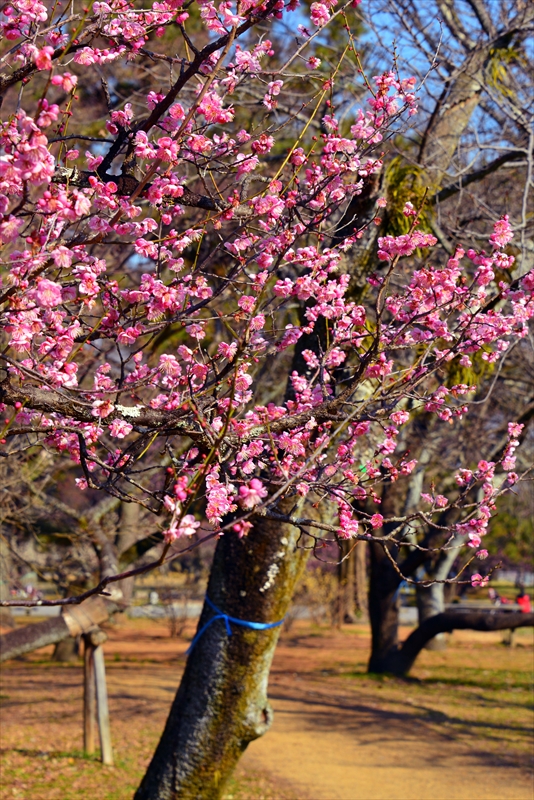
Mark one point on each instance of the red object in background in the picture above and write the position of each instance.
(523, 600)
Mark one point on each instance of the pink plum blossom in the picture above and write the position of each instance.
(119, 428)
(251, 494)
(43, 58)
(48, 293)
(102, 408)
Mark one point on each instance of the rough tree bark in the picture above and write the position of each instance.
(221, 704)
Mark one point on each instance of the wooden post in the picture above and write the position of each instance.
(102, 706)
(96, 696)
(89, 698)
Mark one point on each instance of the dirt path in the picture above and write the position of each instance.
(340, 735)
(455, 732)
(330, 747)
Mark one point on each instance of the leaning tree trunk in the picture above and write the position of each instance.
(400, 662)
(32, 637)
(221, 704)
(74, 620)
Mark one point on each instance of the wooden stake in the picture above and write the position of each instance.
(89, 698)
(102, 706)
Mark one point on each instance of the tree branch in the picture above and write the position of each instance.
(476, 175)
(458, 619)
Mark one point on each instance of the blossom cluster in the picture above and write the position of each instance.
(105, 362)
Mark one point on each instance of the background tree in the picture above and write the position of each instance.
(430, 571)
(473, 137)
(473, 134)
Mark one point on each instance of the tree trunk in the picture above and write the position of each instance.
(455, 108)
(74, 620)
(400, 662)
(222, 704)
(66, 650)
(6, 566)
(31, 637)
(385, 580)
(383, 609)
(128, 532)
(346, 609)
(431, 601)
(128, 535)
(360, 582)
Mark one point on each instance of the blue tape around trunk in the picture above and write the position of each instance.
(256, 626)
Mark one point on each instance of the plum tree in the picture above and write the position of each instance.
(179, 316)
